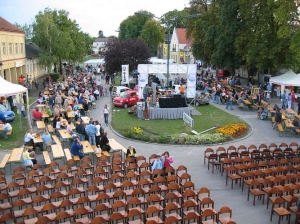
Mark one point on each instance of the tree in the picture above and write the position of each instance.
(175, 18)
(27, 28)
(154, 34)
(225, 55)
(120, 52)
(132, 26)
(59, 37)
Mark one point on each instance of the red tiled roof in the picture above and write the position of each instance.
(7, 26)
(181, 36)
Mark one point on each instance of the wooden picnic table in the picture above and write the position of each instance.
(37, 139)
(296, 115)
(87, 148)
(46, 92)
(1, 127)
(70, 114)
(64, 134)
(288, 123)
(64, 122)
(116, 146)
(57, 151)
(40, 124)
(247, 102)
(45, 115)
(16, 155)
(85, 120)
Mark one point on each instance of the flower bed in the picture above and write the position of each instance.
(233, 130)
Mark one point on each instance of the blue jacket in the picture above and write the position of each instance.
(157, 164)
(76, 149)
(90, 129)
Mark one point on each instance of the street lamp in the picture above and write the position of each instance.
(168, 24)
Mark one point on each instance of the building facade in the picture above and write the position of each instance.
(33, 69)
(180, 47)
(12, 52)
(99, 45)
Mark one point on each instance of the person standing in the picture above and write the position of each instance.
(293, 100)
(146, 92)
(6, 128)
(91, 131)
(283, 100)
(229, 102)
(80, 129)
(289, 101)
(105, 114)
(98, 126)
(146, 110)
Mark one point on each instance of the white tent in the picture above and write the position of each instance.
(95, 62)
(283, 79)
(9, 89)
(295, 81)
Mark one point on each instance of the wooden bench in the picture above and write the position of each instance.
(9, 133)
(76, 158)
(56, 140)
(68, 154)
(50, 128)
(46, 157)
(280, 129)
(273, 119)
(105, 153)
(4, 161)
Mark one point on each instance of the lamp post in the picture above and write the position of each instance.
(168, 24)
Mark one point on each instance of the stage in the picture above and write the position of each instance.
(164, 113)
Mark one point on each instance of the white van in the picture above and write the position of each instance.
(117, 90)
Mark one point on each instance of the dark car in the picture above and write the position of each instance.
(201, 98)
(6, 115)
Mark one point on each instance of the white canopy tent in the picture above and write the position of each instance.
(289, 78)
(283, 79)
(95, 62)
(9, 89)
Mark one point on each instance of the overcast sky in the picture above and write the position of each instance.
(91, 15)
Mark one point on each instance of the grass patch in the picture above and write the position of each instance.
(15, 140)
(210, 117)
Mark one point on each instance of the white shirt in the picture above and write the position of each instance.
(98, 130)
(106, 111)
(7, 127)
(58, 124)
(28, 137)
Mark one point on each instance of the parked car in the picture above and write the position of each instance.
(201, 98)
(6, 115)
(127, 98)
(117, 90)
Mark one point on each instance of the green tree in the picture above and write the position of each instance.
(154, 34)
(224, 55)
(60, 38)
(175, 18)
(27, 28)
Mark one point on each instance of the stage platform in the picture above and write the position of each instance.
(164, 113)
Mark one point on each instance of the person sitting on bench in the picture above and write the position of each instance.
(6, 128)
(77, 148)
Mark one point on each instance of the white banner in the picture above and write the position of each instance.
(191, 81)
(125, 74)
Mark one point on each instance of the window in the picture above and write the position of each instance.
(3, 49)
(21, 48)
(16, 49)
(10, 47)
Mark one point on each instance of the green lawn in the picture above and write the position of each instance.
(15, 140)
(210, 117)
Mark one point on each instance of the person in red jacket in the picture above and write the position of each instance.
(36, 114)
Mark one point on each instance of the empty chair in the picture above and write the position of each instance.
(225, 215)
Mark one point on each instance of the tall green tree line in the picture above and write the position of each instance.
(255, 34)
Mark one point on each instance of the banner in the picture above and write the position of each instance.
(125, 74)
(191, 81)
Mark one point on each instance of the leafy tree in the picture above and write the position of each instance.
(59, 37)
(132, 26)
(224, 55)
(27, 28)
(175, 18)
(120, 52)
(154, 34)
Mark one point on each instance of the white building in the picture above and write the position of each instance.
(99, 45)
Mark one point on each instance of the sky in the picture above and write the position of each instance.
(91, 15)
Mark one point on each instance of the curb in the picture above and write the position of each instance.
(155, 143)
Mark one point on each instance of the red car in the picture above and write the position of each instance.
(127, 98)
